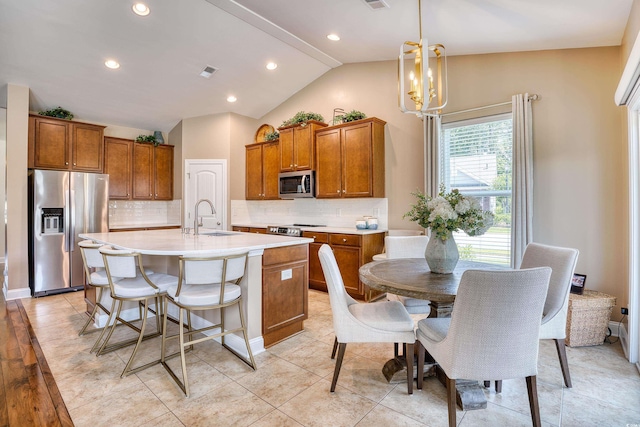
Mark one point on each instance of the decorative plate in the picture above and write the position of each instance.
(262, 131)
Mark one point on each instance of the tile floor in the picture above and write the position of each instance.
(291, 385)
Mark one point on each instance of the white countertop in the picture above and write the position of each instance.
(173, 242)
(328, 229)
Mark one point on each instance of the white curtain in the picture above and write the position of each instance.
(522, 194)
(431, 156)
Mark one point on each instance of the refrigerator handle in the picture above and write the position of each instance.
(66, 221)
(72, 214)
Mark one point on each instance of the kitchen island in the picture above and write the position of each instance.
(282, 260)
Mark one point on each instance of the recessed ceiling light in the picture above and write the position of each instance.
(141, 9)
(333, 37)
(232, 99)
(272, 66)
(111, 63)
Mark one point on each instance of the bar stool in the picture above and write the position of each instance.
(97, 278)
(129, 282)
(206, 283)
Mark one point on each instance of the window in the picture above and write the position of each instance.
(476, 159)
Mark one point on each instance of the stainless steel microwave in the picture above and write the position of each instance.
(299, 184)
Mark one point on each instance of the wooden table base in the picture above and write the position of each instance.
(469, 393)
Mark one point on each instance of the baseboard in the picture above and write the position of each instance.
(613, 327)
(11, 294)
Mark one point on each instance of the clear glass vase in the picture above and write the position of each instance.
(442, 256)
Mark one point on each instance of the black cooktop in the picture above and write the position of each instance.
(308, 225)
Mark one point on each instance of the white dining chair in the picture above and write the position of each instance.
(384, 321)
(206, 283)
(492, 332)
(554, 316)
(408, 247)
(128, 282)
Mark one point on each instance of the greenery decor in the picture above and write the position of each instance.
(148, 138)
(272, 136)
(302, 117)
(59, 112)
(449, 212)
(351, 116)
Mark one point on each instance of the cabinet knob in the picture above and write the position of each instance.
(338, 191)
(295, 165)
(150, 195)
(344, 240)
(344, 191)
(74, 164)
(314, 237)
(156, 194)
(66, 163)
(291, 165)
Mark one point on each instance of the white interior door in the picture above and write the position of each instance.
(206, 179)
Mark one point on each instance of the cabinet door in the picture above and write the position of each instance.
(253, 165)
(328, 168)
(163, 172)
(51, 144)
(303, 147)
(286, 150)
(316, 275)
(357, 161)
(87, 148)
(270, 170)
(118, 165)
(348, 259)
(142, 171)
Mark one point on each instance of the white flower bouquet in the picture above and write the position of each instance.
(449, 212)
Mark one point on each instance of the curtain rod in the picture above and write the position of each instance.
(533, 97)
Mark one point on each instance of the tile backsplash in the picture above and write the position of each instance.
(334, 213)
(134, 213)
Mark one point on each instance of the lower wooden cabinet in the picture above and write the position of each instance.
(259, 230)
(284, 292)
(351, 252)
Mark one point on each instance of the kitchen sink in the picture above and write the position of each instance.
(218, 233)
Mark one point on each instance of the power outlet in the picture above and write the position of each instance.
(624, 310)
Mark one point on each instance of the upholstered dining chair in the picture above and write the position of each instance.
(128, 282)
(206, 283)
(384, 321)
(554, 316)
(408, 247)
(492, 332)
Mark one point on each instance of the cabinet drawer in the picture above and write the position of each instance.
(318, 237)
(284, 255)
(345, 239)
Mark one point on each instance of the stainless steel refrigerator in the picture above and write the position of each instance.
(61, 206)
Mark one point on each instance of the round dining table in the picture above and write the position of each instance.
(411, 277)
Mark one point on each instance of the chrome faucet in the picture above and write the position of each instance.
(198, 224)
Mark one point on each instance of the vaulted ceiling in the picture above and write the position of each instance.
(58, 48)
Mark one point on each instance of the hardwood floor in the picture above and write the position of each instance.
(29, 395)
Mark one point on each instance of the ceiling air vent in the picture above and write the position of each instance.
(376, 4)
(208, 71)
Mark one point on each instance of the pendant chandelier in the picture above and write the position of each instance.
(427, 87)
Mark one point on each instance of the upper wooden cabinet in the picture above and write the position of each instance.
(262, 167)
(350, 160)
(138, 171)
(65, 145)
(152, 172)
(297, 146)
(118, 156)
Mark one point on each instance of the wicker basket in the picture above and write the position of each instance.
(588, 318)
